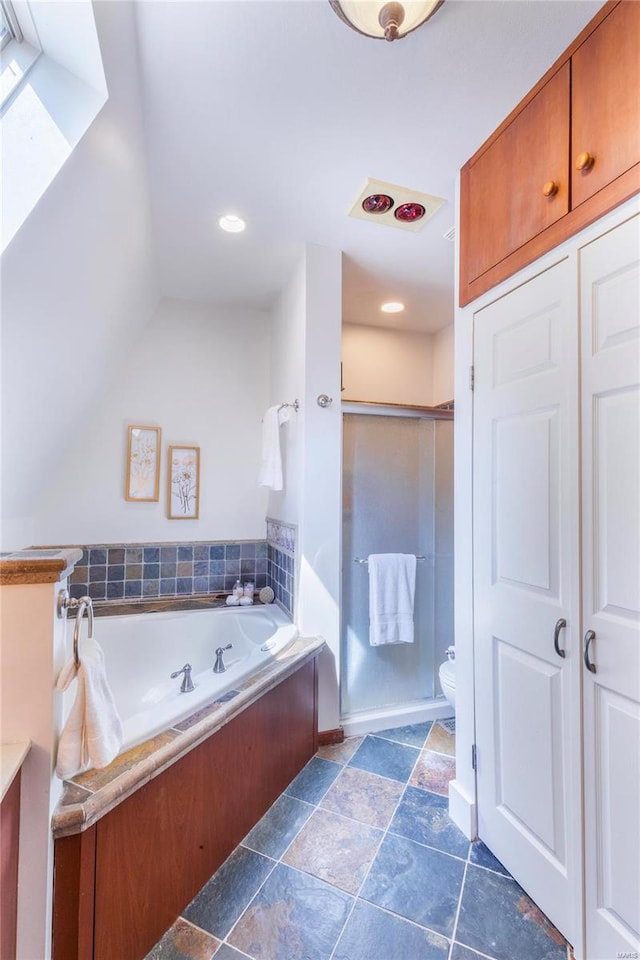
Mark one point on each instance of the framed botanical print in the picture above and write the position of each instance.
(143, 464)
(184, 483)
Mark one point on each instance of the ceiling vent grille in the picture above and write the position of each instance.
(404, 210)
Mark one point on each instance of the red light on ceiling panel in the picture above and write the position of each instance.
(377, 203)
(410, 212)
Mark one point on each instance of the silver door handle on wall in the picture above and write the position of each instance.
(560, 625)
(588, 637)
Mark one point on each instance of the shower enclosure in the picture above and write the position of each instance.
(397, 498)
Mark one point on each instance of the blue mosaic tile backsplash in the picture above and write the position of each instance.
(136, 571)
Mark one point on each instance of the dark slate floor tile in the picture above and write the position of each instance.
(226, 894)
(386, 758)
(312, 783)
(371, 933)
(228, 953)
(273, 834)
(499, 919)
(434, 772)
(481, 855)
(294, 917)
(424, 817)
(334, 849)
(458, 953)
(340, 752)
(364, 796)
(183, 941)
(413, 735)
(415, 882)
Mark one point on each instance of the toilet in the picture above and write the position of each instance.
(447, 675)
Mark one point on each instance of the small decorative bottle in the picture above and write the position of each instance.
(237, 590)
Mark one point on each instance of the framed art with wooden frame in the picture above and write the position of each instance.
(143, 464)
(184, 483)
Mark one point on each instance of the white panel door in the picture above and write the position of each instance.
(526, 599)
(610, 324)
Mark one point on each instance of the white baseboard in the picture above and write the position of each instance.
(357, 724)
(462, 810)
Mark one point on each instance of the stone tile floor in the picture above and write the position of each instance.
(358, 860)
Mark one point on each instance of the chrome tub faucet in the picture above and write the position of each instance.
(219, 666)
(187, 683)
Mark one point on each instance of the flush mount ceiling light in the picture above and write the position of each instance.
(385, 21)
(392, 306)
(231, 223)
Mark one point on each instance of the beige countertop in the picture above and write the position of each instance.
(12, 757)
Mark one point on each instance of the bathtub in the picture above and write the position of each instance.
(142, 650)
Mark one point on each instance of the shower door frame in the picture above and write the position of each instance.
(355, 724)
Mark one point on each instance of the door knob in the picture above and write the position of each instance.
(585, 161)
(550, 189)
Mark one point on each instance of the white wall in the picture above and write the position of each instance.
(320, 529)
(386, 366)
(287, 383)
(443, 365)
(78, 283)
(201, 374)
(383, 365)
(305, 362)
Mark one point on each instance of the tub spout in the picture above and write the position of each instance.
(187, 683)
(219, 666)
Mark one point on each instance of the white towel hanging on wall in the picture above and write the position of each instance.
(392, 584)
(270, 474)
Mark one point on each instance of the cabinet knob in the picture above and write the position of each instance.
(550, 189)
(585, 161)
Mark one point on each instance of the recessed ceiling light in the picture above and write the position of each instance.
(231, 223)
(392, 306)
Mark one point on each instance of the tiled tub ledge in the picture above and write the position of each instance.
(90, 795)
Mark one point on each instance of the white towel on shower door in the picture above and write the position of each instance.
(270, 474)
(392, 584)
(92, 735)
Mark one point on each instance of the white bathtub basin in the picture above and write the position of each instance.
(142, 650)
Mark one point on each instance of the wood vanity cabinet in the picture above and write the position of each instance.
(567, 154)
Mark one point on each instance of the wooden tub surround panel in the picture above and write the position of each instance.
(120, 884)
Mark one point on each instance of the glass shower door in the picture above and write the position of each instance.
(397, 498)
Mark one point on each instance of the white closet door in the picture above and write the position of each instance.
(526, 546)
(610, 314)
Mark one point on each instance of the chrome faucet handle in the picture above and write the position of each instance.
(219, 666)
(187, 683)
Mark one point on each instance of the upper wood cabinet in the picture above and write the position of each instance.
(519, 185)
(605, 102)
(567, 154)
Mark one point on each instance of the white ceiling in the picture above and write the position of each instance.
(277, 111)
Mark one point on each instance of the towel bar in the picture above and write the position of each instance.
(295, 405)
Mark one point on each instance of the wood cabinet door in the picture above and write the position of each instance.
(502, 199)
(605, 101)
